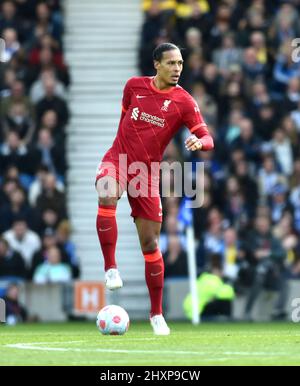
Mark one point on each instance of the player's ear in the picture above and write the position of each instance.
(156, 64)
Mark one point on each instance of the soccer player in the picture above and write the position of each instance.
(153, 110)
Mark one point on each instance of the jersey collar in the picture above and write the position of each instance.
(158, 90)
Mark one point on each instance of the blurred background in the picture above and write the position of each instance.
(62, 72)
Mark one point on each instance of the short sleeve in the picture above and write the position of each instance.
(192, 117)
(127, 93)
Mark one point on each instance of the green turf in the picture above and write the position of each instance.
(206, 344)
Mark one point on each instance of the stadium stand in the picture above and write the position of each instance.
(107, 33)
(34, 80)
(240, 69)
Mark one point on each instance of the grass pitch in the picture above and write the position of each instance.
(206, 344)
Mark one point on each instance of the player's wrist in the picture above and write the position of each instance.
(200, 145)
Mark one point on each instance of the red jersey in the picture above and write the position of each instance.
(150, 119)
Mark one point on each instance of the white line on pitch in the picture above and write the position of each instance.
(34, 346)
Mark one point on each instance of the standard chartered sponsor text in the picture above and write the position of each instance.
(152, 119)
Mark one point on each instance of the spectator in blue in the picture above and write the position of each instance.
(17, 207)
(52, 270)
(285, 69)
(63, 234)
(12, 265)
(15, 311)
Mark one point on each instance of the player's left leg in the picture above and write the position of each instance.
(148, 232)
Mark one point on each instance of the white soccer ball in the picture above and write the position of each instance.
(112, 320)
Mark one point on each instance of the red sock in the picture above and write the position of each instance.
(154, 273)
(107, 233)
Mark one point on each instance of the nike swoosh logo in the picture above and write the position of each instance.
(141, 96)
(160, 214)
(104, 230)
(155, 274)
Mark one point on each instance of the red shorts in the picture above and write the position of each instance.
(143, 196)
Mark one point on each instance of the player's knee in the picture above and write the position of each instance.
(108, 191)
(149, 244)
(107, 201)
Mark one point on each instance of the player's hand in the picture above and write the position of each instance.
(193, 143)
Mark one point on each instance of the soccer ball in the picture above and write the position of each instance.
(112, 320)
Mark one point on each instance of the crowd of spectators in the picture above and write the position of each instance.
(34, 78)
(242, 68)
